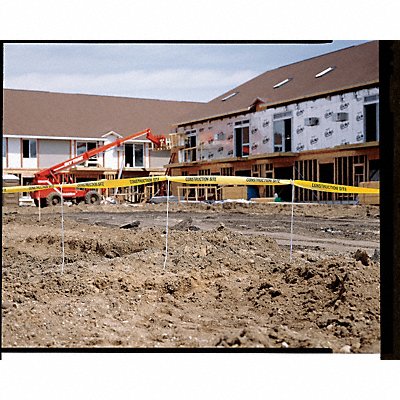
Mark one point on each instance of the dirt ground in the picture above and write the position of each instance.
(228, 280)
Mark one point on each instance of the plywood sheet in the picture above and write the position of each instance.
(234, 192)
(370, 199)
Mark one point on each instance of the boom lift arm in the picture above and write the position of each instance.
(53, 175)
(51, 172)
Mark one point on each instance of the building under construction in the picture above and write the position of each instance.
(315, 120)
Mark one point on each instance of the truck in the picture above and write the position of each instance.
(60, 173)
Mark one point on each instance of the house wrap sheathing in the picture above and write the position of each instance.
(314, 120)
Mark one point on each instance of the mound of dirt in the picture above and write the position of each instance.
(220, 288)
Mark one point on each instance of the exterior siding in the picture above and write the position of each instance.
(14, 153)
(53, 152)
(216, 139)
(111, 156)
(158, 159)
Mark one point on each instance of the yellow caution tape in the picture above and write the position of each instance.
(199, 180)
(333, 188)
(102, 184)
(32, 188)
(114, 183)
(228, 180)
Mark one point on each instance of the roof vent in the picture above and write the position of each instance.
(229, 96)
(282, 83)
(324, 72)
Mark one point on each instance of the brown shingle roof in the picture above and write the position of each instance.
(355, 66)
(77, 115)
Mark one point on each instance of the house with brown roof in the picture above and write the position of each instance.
(316, 120)
(41, 129)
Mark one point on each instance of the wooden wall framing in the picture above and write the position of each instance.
(344, 167)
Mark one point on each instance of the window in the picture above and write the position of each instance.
(371, 122)
(190, 147)
(371, 99)
(373, 170)
(283, 135)
(134, 155)
(286, 114)
(4, 147)
(83, 147)
(29, 148)
(244, 122)
(139, 155)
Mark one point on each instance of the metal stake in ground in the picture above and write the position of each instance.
(62, 230)
(291, 223)
(39, 207)
(166, 229)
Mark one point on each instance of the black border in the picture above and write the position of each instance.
(390, 206)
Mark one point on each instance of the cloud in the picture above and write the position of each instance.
(168, 83)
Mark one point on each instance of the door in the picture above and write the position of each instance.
(242, 141)
(283, 135)
(371, 122)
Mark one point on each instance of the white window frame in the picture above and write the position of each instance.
(189, 134)
(240, 125)
(285, 116)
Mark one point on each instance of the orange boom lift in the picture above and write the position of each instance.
(58, 174)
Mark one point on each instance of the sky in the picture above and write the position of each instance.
(184, 72)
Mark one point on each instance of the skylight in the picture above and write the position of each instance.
(229, 96)
(324, 72)
(282, 83)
